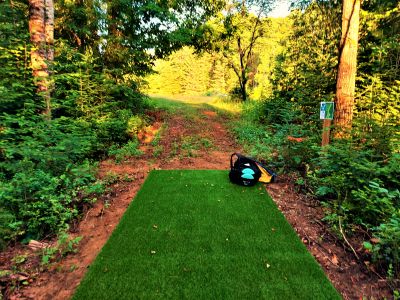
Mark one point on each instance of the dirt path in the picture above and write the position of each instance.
(196, 141)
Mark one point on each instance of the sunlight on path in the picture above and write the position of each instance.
(214, 101)
(188, 99)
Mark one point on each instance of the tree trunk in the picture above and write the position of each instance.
(41, 29)
(243, 92)
(49, 30)
(346, 77)
(243, 75)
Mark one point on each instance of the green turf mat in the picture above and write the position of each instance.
(194, 235)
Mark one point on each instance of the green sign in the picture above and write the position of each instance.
(326, 110)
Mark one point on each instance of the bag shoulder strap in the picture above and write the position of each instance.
(238, 155)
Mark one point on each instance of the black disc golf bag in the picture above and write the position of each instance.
(244, 171)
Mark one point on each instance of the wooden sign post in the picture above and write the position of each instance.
(326, 114)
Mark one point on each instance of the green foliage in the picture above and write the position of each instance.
(64, 246)
(282, 136)
(16, 84)
(128, 150)
(187, 73)
(256, 140)
(158, 150)
(41, 182)
(46, 167)
(375, 203)
(357, 179)
(190, 144)
(211, 73)
(386, 250)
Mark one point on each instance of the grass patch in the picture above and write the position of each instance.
(192, 234)
(189, 105)
(191, 144)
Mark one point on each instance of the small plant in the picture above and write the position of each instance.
(19, 259)
(127, 178)
(387, 249)
(135, 123)
(189, 146)
(158, 135)
(73, 268)
(130, 149)
(157, 151)
(206, 143)
(63, 247)
(174, 149)
(111, 178)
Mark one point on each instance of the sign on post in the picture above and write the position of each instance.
(326, 110)
(326, 114)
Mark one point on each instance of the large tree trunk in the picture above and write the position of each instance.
(346, 77)
(41, 29)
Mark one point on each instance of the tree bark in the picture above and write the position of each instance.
(49, 30)
(346, 77)
(243, 74)
(41, 29)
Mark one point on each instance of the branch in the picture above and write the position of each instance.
(345, 239)
(236, 72)
(253, 33)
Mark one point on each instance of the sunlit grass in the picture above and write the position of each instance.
(232, 107)
(186, 102)
(187, 98)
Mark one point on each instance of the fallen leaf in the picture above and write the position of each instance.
(374, 240)
(335, 260)
(19, 277)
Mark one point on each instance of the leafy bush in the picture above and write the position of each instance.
(275, 131)
(36, 202)
(374, 203)
(356, 178)
(387, 249)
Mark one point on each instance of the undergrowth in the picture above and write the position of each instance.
(357, 179)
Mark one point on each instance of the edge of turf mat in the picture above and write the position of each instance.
(194, 235)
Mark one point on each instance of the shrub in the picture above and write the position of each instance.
(121, 153)
(387, 250)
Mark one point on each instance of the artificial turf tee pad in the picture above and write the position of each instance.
(194, 235)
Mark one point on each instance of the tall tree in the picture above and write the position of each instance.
(346, 77)
(41, 29)
(235, 34)
(136, 32)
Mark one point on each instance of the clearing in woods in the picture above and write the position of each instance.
(191, 134)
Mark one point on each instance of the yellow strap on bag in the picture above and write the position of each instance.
(266, 177)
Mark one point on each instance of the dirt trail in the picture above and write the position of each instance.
(187, 142)
(198, 141)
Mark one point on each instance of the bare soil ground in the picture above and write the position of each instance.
(201, 142)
